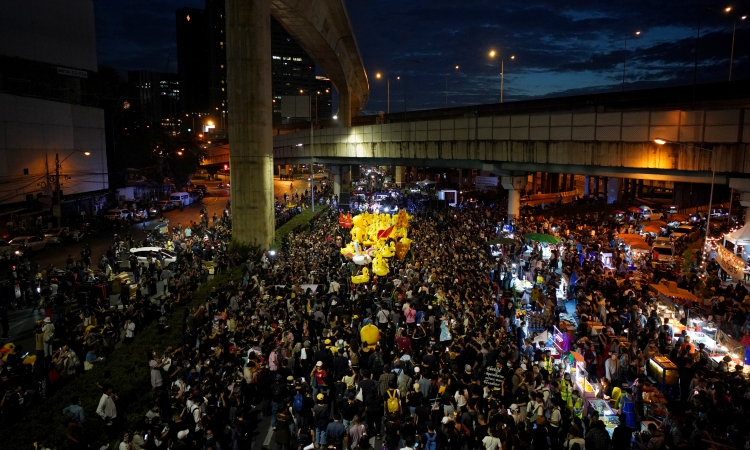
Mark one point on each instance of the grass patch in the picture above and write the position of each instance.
(302, 219)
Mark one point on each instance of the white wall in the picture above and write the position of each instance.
(34, 130)
(59, 32)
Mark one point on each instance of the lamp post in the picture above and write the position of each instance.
(492, 54)
(625, 59)
(661, 141)
(388, 79)
(58, 194)
(446, 87)
(728, 10)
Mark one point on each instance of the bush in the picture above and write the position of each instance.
(130, 376)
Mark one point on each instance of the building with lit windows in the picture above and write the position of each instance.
(293, 71)
(158, 97)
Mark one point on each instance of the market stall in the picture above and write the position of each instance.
(580, 380)
(663, 373)
(606, 414)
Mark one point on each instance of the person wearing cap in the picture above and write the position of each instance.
(318, 377)
(321, 417)
(48, 329)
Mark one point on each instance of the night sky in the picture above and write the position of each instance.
(560, 47)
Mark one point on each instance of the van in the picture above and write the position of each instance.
(666, 252)
(180, 198)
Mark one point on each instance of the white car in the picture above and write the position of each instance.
(56, 235)
(117, 213)
(28, 242)
(651, 214)
(168, 258)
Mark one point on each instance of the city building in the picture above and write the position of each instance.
(158, 97)
(201, 51)
(193, 55)
(53, 155)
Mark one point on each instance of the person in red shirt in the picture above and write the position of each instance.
(319, 376)
(403, 342)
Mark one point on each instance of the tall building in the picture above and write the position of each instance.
(49, 118)
(193, 52)
(323, 103)
(158, 97)
(293, 71)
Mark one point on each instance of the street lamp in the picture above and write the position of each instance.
(492, 54)
(728, 10)
(661, 141)
(446, 87)
(58, 166)
(388, 79)
(625, 59)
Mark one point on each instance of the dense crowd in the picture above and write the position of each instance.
(285, 341)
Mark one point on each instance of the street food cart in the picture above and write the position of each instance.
(606, 414)
(580, 380)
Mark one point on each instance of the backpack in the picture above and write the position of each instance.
(404, 382)
(431, 442)
(298, 402)
(392, 402)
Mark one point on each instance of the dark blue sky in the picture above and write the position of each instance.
(561, 47)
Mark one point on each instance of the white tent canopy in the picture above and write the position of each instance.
(740, 236)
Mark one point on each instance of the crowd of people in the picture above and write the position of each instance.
(285, 342)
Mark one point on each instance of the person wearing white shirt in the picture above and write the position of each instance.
(490, 442)
(107, 409)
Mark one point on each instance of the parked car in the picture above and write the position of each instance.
(57, 235)
(687, 231)
(651, 214)
(32, 243)
(116, 213)
(666, 252)
(203, 188)
(165, 205)
(168, 259)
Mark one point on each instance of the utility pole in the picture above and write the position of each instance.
(57, 187)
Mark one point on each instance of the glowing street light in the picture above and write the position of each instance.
(625, 59)
(492, 54)
(379, 75)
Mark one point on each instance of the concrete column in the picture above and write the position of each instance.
(586, 185)
(614, 194)
(543, 184)
(400, 175)
(345, 107)
(625, 183)
(639, 190)
(564, 185)
(533, 183)
(514, 185)
(596, 186)
(248, 31)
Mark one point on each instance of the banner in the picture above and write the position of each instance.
(731, 263)
(493, 377)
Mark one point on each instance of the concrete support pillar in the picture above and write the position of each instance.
(533, 182)
(337, 184)
(596, 185)
(514, 185)
(564, 183)
(586, 185)
(345, 107)
(554, 183)
(614, 193)
(605, 186)
(625, 184)
(639, 191)
(543, 186)
(400, 175)
(248, 35)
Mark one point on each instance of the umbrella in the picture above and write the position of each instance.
(539, 237)
(678, 217)
(615, 212)
(636, 210)
(652, 228)
(629, 236)
(503, 241)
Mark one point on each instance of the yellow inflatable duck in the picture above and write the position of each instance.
(364, 278)
(9, 349)
(379, 266)
(388, 250)
(369, 336)
(349, 250)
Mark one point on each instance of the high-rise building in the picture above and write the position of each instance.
(159, 98)
(293, 71)
(193, 56)
(323, 103)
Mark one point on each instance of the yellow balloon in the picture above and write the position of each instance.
(369, 336)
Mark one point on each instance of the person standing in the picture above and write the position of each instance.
(107, 409)
(129, 329)
(49, 334)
